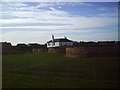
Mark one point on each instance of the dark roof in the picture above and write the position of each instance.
(33, 44)
(61, 40)
(22, 44)
(5, 43)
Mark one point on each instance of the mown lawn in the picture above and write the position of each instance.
(46, 70)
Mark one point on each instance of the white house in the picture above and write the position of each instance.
(59, 42)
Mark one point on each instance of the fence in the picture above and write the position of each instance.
(69, 71)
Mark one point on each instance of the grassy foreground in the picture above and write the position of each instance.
(45, 70)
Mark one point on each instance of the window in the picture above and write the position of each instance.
(48, 44)
(60, 43)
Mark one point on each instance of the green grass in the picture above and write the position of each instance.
(24, 81)
(46, 70)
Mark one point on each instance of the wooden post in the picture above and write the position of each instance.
(28, 68)
(69, 74)
(94, 69)
(11, 67)
(46, 71)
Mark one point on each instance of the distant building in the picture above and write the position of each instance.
(21, 45)
(6, 45)
(59, 42)
(35, 45)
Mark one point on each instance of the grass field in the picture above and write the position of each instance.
(45, 70)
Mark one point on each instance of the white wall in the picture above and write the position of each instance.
(51, 44)
(57, 44)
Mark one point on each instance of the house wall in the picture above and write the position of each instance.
(51, 44)
(57, 44)
(66, 43)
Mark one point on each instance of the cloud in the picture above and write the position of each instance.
(18, 4)
(59, 7)
(51, 16)
(40, 5)
(59, 1)
(25, 37)
(102, 9)
(96, 37)
(109, 14)
(46, 16)
(53, 9)
(85, 4)
(75, 22)
(28, 11)
(35, 36)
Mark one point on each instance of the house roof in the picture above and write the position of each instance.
(60, 40)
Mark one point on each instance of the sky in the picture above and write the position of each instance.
(35, 22)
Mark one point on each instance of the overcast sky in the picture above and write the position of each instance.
(35, 22)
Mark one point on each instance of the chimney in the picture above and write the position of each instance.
(65, 37)
(52, 38)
